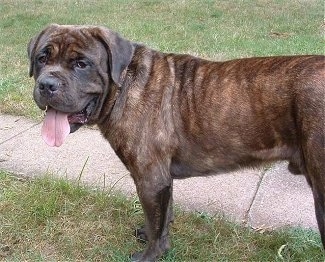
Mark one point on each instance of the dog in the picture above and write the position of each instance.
(173, 116)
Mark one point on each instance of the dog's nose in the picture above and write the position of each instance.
(49, 85)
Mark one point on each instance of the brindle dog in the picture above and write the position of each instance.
(175, 116)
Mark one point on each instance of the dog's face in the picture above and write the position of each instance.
(73, 67)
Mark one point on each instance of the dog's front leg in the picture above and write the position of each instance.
(140, 233)
(155, 194)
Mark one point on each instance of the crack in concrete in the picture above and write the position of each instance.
(19, 133)
(247, 212)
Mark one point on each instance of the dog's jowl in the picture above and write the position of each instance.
(174, 116)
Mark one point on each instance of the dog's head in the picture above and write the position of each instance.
(73, 68)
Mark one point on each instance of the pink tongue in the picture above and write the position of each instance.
(55, 127)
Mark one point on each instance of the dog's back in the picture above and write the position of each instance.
(242, 112)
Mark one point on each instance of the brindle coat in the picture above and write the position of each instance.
(175, 116)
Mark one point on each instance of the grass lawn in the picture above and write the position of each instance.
(54, 220)
(212, 29)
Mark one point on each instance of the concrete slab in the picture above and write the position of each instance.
(11, 126)
(228, 194)
(283, 199)
(29, 155)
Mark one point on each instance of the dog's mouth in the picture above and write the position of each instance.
(80, 118)
(57, 125)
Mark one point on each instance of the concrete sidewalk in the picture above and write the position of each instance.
(258, 198)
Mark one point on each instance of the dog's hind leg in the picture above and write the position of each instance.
(316, 172)
(310, 123)
(320, 211)
(314, 156)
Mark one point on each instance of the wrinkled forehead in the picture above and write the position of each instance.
(71, 41)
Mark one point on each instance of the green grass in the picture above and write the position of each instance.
(49, 219)
(53, 220)
(211, 29)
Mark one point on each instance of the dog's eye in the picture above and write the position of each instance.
(42, 59)
(81, 64)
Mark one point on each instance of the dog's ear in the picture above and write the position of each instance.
(32, 47)
(31, 52)
(120, 52)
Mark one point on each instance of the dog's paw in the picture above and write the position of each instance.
(141, 235)
(137, 257)
(145, 256)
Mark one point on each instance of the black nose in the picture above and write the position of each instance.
(49, 85)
